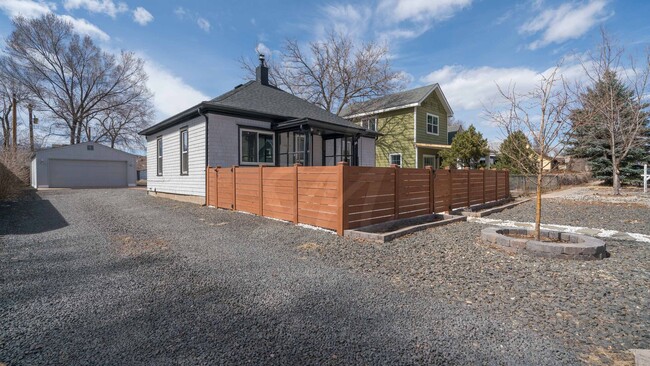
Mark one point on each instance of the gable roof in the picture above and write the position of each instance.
(404, 99)
(256, 99)
(79, 145)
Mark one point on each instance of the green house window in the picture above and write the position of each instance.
(433, 123)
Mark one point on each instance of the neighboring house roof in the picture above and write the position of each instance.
(399, 100)
(79, 145)
(256, 99)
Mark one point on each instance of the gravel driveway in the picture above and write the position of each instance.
(116, 277)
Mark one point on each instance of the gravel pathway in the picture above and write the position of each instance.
(116, 277)
(626, 217)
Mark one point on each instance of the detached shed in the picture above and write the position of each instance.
(87, 164)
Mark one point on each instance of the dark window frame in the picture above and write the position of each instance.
(159, 156)
(257, 132)
(185, 171)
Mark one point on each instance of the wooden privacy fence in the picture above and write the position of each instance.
(346, 197)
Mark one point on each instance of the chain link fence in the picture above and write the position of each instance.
(524, 185)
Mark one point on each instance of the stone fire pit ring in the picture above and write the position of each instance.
(573, 246)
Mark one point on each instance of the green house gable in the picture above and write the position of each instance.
(401, 119)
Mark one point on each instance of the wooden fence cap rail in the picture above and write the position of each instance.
(342, 163)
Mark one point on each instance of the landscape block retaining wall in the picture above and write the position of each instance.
(346, 197)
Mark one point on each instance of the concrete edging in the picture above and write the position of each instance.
(575, 246)
(411, 225)
(490, 208)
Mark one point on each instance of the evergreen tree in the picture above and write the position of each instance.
(467, 148)
(516, 155)
(593, 135)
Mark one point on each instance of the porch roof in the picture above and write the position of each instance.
(297, 123)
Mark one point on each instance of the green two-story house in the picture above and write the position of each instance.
(412, 125)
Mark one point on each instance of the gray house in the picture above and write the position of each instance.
(82, 165)
(253, 124)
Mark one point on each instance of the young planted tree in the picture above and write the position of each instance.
(467, 148)
(611, 121)
(68, 75)
(516, 154)
(542, 114)
(332, 73)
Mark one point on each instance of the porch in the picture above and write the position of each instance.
(345, 197)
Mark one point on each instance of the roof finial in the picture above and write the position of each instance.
(261, 57)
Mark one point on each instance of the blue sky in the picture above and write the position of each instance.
(192, 47)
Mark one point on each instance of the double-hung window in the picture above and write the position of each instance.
(369, 124)
(433, 123)
(159, 156)
(185, 147)
(395, 159)
(256, 147)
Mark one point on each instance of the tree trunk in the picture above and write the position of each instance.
(73, 131)
(616, 181)
(538, 207)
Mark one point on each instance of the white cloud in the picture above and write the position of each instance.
(471, 88)
(171, 93)
(422, 10)
(84, 27)
(142, 16)
(347, 19)
(567, 21)
(180, 12)
(203, 24)
(26, 8)
(107, 7)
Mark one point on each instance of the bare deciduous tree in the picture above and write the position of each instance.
(543, 115)
(612, 107)
(8, 89)
(68, 75)
(120, 126)
(332, 73)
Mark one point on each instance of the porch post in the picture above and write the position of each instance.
(307, 147)
(355, 150)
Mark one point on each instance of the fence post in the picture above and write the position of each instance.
(233, 206)
(342, 221)
(483, 192)
(216, 183)
(295, 193)
(431, 198)
(396, 189)
(496, 184)
(468, 185)
(261, 194)
(207, 186)
(451, 186)
(507, 184)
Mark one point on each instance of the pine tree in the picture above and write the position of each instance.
(593, 135)
(467, 148)
(516, 155)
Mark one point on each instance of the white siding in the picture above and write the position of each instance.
(223, 140)
(171, 180)
(366, 151)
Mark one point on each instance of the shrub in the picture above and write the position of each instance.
(14, 172)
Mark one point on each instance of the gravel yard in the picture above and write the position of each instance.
(116, 277)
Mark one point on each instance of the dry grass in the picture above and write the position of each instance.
(308, 247)
(14, 172)
(604, 356)
(131, 247)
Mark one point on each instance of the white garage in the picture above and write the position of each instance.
(83, 165)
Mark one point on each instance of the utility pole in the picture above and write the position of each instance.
(15, 121)
(31, 127)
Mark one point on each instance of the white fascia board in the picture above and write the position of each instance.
(382, 110)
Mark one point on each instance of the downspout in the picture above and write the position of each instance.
(198, 110)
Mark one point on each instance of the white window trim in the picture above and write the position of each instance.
(367, 120)
(424, 159)
(390, 159)
(427, 124)
(187, 171)
(159, 156)
(241, 146)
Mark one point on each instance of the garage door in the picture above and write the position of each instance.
(87, 173)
